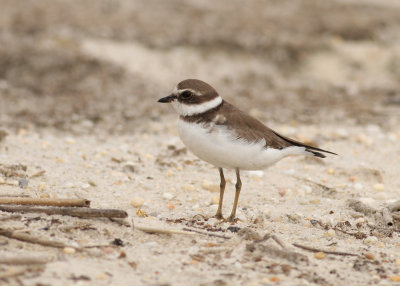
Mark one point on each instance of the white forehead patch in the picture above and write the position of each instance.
(192, 109)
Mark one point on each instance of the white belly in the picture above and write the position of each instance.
(219, 147)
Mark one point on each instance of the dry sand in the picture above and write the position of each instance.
(79, 85)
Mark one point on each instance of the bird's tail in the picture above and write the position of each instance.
(311, 149)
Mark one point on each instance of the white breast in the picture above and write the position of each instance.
(219, 146)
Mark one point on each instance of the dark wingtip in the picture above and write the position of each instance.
(318, 154)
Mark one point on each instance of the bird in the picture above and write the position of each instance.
(221, 134)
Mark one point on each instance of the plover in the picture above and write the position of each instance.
(226, 137)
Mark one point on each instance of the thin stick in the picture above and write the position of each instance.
(7, 217)
(70, 211)
(31, 239)
(38, 174)
(45, 202)
(24, 260)
(312, 249)
(207, 233)
(161, 230)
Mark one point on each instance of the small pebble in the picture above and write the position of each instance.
(102, 276)
(108, 250)
(331, 233)
(85, 186)
(320, 255)
(70, 140)
(168, 196)
(367, 141)
(369, 256)
(22, 183)
(209, 186)
(69, 250)
(371, 239)
(189, 188)
(282, 192)
(129, 167)
(379, 187)
(397, 262)
(137, 202)
(358, 186)
(331, 171)
(360, 220)
(307, 189)
(274, 279)
(214, 200)
(170, 173)
(395, 278)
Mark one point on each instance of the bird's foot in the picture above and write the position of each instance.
(232, 219)
(219, 216)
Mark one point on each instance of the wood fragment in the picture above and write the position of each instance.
(44, 202)
(207, 233)
(162, 230)
(24, 260)
(82, 212)
(38, 174)
(387, 216)
(31, 239)
(7, 217)
(119, 221)
(312, 249)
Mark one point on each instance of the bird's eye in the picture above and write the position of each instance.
(186, 94)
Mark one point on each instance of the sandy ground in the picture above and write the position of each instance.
(78, 88)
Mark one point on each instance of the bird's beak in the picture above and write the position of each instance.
(167, 99)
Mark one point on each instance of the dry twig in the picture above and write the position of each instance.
(31, 239)
(24, 260)
(161, 230)
(44, 202)
(312, 249)
(38, 174)
(207, 233)
(70, 211)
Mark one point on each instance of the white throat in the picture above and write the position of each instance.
(192, 109)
